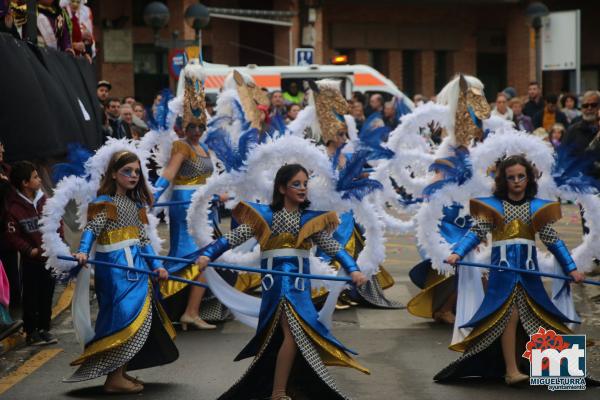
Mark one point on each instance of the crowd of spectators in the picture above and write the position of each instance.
(127, 117)
(64, 25)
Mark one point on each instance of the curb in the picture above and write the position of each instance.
(17, 340)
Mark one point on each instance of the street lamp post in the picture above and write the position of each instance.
(197, 17)
(535, 12)
(156, 16)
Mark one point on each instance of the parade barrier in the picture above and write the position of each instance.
(523, 271)
(255, 270)
(131, 269)
(48, 100)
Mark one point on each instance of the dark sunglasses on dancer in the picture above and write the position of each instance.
(589, 105)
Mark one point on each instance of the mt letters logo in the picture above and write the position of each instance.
(556, 361)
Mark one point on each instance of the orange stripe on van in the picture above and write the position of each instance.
(367, 80)
(214, 81)
(267, 80)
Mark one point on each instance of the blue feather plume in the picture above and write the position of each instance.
(456, 169)
(219, 141)
(157, 121)
(77, 155)
(401, 108)
(572, 171)
(371, 141)
(277, 125)
(350, 183)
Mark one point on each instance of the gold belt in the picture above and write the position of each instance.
(119, 235)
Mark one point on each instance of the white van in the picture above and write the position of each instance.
(355, 78)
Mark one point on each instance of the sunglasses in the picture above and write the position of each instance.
(589, 105)
(130, 172)
(516, 178)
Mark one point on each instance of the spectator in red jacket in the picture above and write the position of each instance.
(8, 255)
(23, 234)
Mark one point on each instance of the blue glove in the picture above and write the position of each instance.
(346, 261)
(161, 185)
(561, 253)
(216, 248)
(86, 242)
(466, 244)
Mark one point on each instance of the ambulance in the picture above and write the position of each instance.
(354, 78)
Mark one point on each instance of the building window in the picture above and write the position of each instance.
(151, 74)
(441, 70)
(378, 59)
(408, 72)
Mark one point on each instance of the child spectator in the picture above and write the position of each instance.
(556, 134)
(23, 234)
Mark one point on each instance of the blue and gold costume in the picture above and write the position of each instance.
(285, 238)
(513, 226)
(436, 287)
(193, 173)
(131, 328)
(349, 235)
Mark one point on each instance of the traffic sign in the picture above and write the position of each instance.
(178, 59)
(304, 56)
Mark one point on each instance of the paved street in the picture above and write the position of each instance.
(403, 352)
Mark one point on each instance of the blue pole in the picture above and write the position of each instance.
(524, 271)
(251, 269)
(172, 203)
(141, 271)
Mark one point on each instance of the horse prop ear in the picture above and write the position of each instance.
(239, 79)
(313, 85)
(464, 86)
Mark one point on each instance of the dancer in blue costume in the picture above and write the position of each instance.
(350, 236)
(188, 168)
(132, 331)
(288, 320)
(437, 298)
(332, 128)
(515, 305)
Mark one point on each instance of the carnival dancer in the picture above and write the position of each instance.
(514, 304)
(437, 298)
(468, 110)
(132, 331)
(333, 128)
(288, 321)
(188, 168)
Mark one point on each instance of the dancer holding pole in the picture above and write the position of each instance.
(289, 333)
(515, 304)
(132, 331)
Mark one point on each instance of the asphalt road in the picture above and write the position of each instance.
(402, 352)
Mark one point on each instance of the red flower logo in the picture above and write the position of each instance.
(542, 340)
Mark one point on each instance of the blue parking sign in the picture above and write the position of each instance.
(304, 56)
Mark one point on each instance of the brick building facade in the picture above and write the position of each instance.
(418, 44)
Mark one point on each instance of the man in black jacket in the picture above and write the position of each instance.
(583, 136)
(536, 102)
